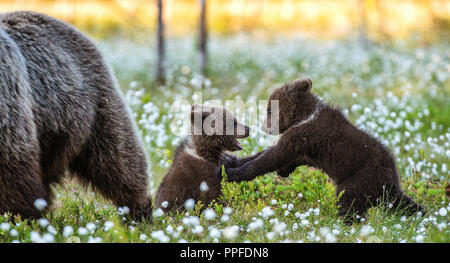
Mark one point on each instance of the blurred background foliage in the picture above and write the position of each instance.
(422, 21)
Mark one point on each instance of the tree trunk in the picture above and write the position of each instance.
(363, 23)
(161, 45)
(203, 35)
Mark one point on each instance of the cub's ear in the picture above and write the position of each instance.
(303, 85)
(199, 113)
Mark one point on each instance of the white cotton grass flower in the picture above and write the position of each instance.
(94, 240)
(5, 226)
(227, 210)
(91, 227)
(267, 212)
(209, 214)
(143, 237)
(13, 232)
(82, 231)
(43, 222)
(257, 224)
(160, 236)
(270, 235)
(164, 204)
(214, 233)
(191, 220)
(198, 229)
(35, 237)
(366, 230)
(40, 204)
(204, 186)
(189, 204)
(290, 207)
(48, 238)
(158, 213)
(124, 210)
(108, 225)
(231, 232)
(278, 227)
(67, 231)
(225, 218)
(443, 211)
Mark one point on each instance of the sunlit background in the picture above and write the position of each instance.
(381, 20)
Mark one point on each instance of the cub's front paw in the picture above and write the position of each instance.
(284, 172)
(231, 174)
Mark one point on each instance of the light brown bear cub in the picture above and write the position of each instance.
(193, 175)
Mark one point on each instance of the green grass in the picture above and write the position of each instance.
(398, 94)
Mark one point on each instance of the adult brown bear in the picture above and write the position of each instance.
(60, 109)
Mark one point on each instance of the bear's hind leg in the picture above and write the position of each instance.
(22, 185)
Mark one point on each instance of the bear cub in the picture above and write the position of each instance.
(193, 175)
(318, 135)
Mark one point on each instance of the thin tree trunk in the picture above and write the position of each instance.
(363, 23)
(203, 37)
(161, 44)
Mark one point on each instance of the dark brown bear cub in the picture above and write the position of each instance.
(318, 135)
(193, 174)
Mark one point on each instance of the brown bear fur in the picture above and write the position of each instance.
(60, 109)
(199, 157)
(318, 135)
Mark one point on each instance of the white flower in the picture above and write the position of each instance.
(158, 212)
(231, 232)
(279, 227)
(40, 204)
(43, 222)
(210, 214)
(366, 230)
(273, 202)
(82, 231)
(197, 229)
(94, 239)
(108, 225)
(330, 238)
(143, 237)
(257, 224)
(443, 211)
(189, 204)
(67, 231)
(48, 238)
(270, 235)
(419, 238)
(225, 218)
(214, 233)
(159, 235)
(91, 227)
(267, 212)
(290, 207)
(35, 237)
(15, 233)
(204, 187)
(191, 220)
(5, 226)
(164, 204)
(227, 210)
(123, 210)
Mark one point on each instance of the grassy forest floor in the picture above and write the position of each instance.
(398, 93)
